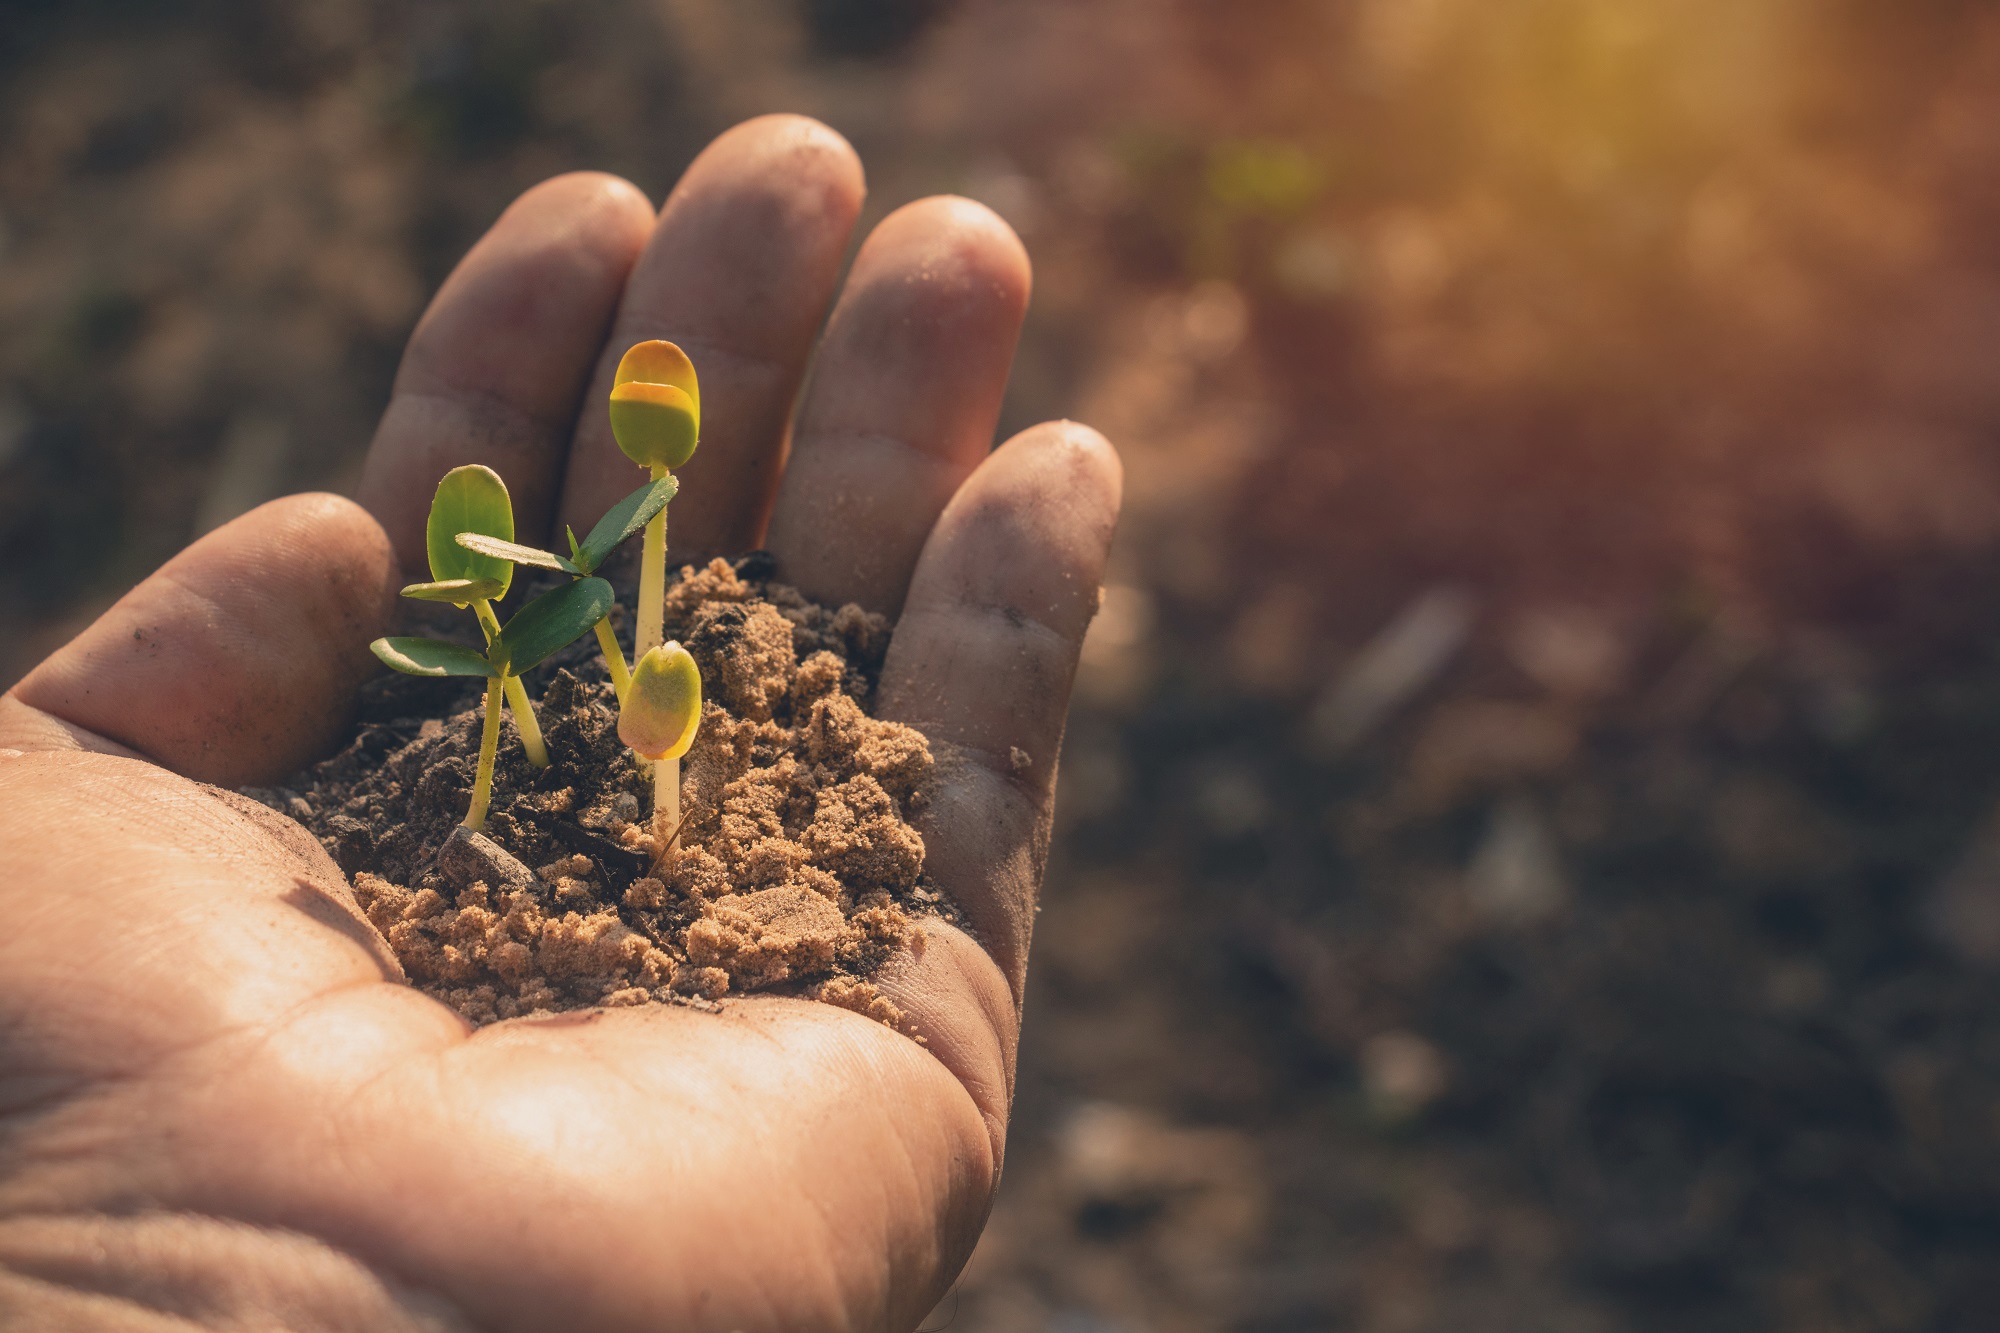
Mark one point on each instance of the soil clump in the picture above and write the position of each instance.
(797, 869)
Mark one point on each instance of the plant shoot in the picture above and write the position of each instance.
(658, 719)
(544, 626)
(656, 418)
(474, 499)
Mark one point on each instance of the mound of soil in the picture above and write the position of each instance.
(797, 865)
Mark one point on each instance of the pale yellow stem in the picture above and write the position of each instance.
(651, 627)
(489, 748)
(614, 658)
(517, 694)
(524, 719)
(667, 801)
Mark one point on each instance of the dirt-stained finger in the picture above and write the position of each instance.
(983, 659)
(739, 272)
(904, 397)
(496, 368)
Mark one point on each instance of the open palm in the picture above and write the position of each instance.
(218, 1104)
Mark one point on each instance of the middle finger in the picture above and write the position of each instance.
(739, 272)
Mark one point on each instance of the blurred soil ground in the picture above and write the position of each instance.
(1528, 851)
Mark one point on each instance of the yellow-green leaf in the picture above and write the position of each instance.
(655, 424)
(623, 519)
(659, 362)
(459, 592)
(431, 657)
(662, 708)
(469, 499)
(551, 622)
(516, 553)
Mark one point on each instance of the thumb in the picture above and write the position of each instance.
(238, 660)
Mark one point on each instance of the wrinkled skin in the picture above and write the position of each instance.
(220, 1106)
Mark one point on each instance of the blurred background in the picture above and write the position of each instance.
(1528, 854)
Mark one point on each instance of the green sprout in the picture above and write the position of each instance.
(621, 521)
(473, 498)
(656, 418)
(544, 626)
(658, 718)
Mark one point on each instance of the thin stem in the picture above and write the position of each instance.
(614, 657)
(651, 627)
(489, 747)
(517, 694)
(524, 719)
(667, 802)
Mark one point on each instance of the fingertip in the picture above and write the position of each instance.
(1077, 455)
(822, 152)
(355, 560)
(960, 252)
(576, 233)
(1033, 526)
(592, 199)
(806, 163)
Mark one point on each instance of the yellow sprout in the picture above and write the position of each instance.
(656, 405)
(662, 708)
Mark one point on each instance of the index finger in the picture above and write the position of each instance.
(496, 366)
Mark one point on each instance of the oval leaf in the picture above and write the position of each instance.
(623, 519)
(459, 592)
(655, 424)
(469, 499)
(431, 657)
(662, 707)
(515, 552)
(551, 622)
(659, 362)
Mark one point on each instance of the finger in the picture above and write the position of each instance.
(497, 366)
(904, 397)
(983, 658)
(739, 272)
(238, 660)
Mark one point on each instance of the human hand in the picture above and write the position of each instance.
(220, 1106)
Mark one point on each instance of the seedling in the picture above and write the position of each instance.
(658, 718)
(474, 499)
(621, 521)
(656, 418)
(544, 626)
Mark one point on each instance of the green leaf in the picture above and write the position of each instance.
(551, 622)
(469, 499)
(575, 552)
(623, 519)
(459, 592)
(515, 552)
(431, 657)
